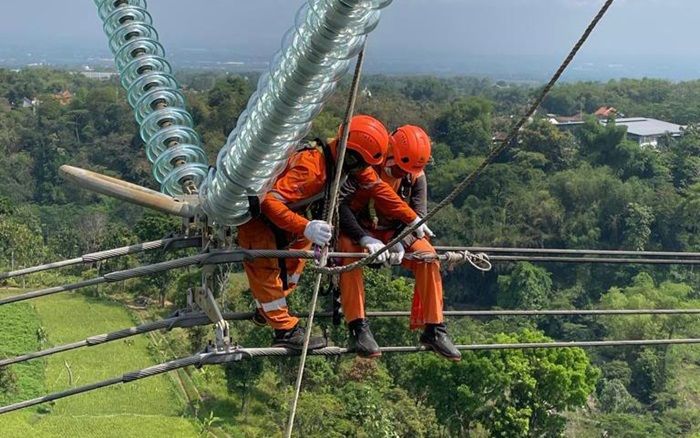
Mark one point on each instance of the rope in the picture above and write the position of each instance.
(197, 319)
(249, 353)
(495, 152)
(452, 259)
(331, 207)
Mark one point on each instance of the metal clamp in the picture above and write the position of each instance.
(202, 298)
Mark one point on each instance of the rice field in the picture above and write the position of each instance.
(151, 407)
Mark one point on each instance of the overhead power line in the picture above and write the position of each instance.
(239, 255)
(593, 260)
(559, 251)
(198, 319)
(171, 243)
(495, 254)
(249, 353)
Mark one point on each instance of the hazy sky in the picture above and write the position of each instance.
(409, 27)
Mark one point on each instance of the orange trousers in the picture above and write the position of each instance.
(269, 289)
(427, 293)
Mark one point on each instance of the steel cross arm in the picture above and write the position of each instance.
(173, 243)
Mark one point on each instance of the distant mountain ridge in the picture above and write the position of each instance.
(534, 68)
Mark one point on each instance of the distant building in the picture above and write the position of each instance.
(643, 130)
(646, 131)
(605, 112)
(499, 137)
(602, 113)
(29, 103)
(565, 122)
(99, 75)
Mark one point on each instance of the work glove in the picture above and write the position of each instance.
(319, 232)
(423, 230)
(373, 245)
(396, 254)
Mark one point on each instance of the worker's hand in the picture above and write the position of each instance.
(319, 232)
(373, 245)
(423, 230)
(396, 254)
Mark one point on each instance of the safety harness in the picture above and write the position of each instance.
(315, 206)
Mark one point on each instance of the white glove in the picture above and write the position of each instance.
(423, 230)
(319, 232)
(373, 245)
(396, 254)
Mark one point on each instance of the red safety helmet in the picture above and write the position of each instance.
(368, 137)
(411, 147)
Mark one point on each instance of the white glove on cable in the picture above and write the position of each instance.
(396, 254)
(373, 245)
(319, 232)
(423, 230)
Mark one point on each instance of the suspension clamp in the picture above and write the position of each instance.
(202, 298)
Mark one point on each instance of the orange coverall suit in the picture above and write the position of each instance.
(304, 178)
(427, 294)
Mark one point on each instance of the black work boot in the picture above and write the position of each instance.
(258, 318)
(365, 345)
(435, 338)
(294, 339)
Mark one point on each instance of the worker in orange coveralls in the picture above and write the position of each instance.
(290, 213)
(364, 223)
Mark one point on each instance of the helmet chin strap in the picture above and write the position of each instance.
(388, 166)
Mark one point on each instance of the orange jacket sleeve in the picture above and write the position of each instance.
(385, 197)
(304, 178)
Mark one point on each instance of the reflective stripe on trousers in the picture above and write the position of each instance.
(271, 306)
